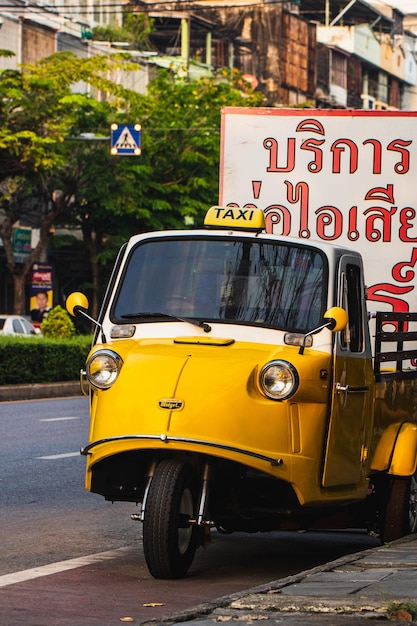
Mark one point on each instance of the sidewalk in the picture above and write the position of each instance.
(355, 590)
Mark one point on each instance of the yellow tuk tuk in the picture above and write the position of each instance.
(232, 386)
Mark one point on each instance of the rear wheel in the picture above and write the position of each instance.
(400, 511)
(169, 540)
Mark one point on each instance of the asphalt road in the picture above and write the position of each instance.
(47, 519)
(46, 515)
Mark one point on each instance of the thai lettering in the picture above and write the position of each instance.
(329, 216)
(335, 176)
(385, 194)
(393, 291)
(310, 125)
(271, 144)
(377, 160)
(353, 233)
(372, 233)
(333, 222)
(399, 145)
(402, 272)
(256, 188)
(390, 297)
(314, 145)
(275, 215)
(300, 193)
(407, 214)
(409, 274)
(338, 147)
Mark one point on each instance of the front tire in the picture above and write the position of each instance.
(400, 511)
(169, 540)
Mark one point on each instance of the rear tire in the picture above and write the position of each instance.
(169, 540)
(400, 511)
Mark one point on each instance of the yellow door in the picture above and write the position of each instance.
(350, 412)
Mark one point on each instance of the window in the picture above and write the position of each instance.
(17, 327)
(352, 336)
(339, 70)
(247, 280)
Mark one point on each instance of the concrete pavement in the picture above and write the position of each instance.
(354, 590)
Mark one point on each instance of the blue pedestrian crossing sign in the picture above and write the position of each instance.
(126, 139)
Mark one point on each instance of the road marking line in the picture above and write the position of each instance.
(64, 455)
(58, 419)
(60, 566)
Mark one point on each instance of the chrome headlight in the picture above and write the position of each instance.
(278, 380)
(103, 368)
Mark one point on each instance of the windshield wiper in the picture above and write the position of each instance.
(144, 314)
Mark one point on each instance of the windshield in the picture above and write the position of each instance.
(249, 281)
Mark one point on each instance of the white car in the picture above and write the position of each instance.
(16, 325)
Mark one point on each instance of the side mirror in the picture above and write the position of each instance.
(75, 302)
(338, 318)
(335, 319)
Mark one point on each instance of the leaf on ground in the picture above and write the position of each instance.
(402, 616)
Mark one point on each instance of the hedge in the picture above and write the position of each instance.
(42, 360)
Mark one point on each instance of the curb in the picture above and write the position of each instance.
(39, 391)
(224, 608)
(205, 609)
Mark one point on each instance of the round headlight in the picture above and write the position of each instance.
(278, 380)
(103, 368)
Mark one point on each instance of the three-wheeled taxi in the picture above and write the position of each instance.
(231, 387)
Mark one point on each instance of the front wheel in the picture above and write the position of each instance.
(400, 511)
(169, 539)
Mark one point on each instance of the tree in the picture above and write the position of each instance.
(58, 324)
(175, 180)
(49, 176)
(37, 111)
(171, 184)
(179, 168)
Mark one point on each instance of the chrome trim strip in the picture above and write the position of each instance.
(166, 439)
(85, 389)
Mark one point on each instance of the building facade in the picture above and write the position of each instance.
(352, 54)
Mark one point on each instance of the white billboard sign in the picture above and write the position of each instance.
(348, 177)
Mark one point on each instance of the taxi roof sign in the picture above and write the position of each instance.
(235, 218)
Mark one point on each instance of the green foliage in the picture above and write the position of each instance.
(50, 170)
(40, 170)
(135, 30)
(405, 607)
(38, 110)
(42, 360)
(110, 33)
(140, 25)
(176, 177)
(58, 324)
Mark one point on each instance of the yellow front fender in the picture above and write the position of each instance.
(396, 452)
